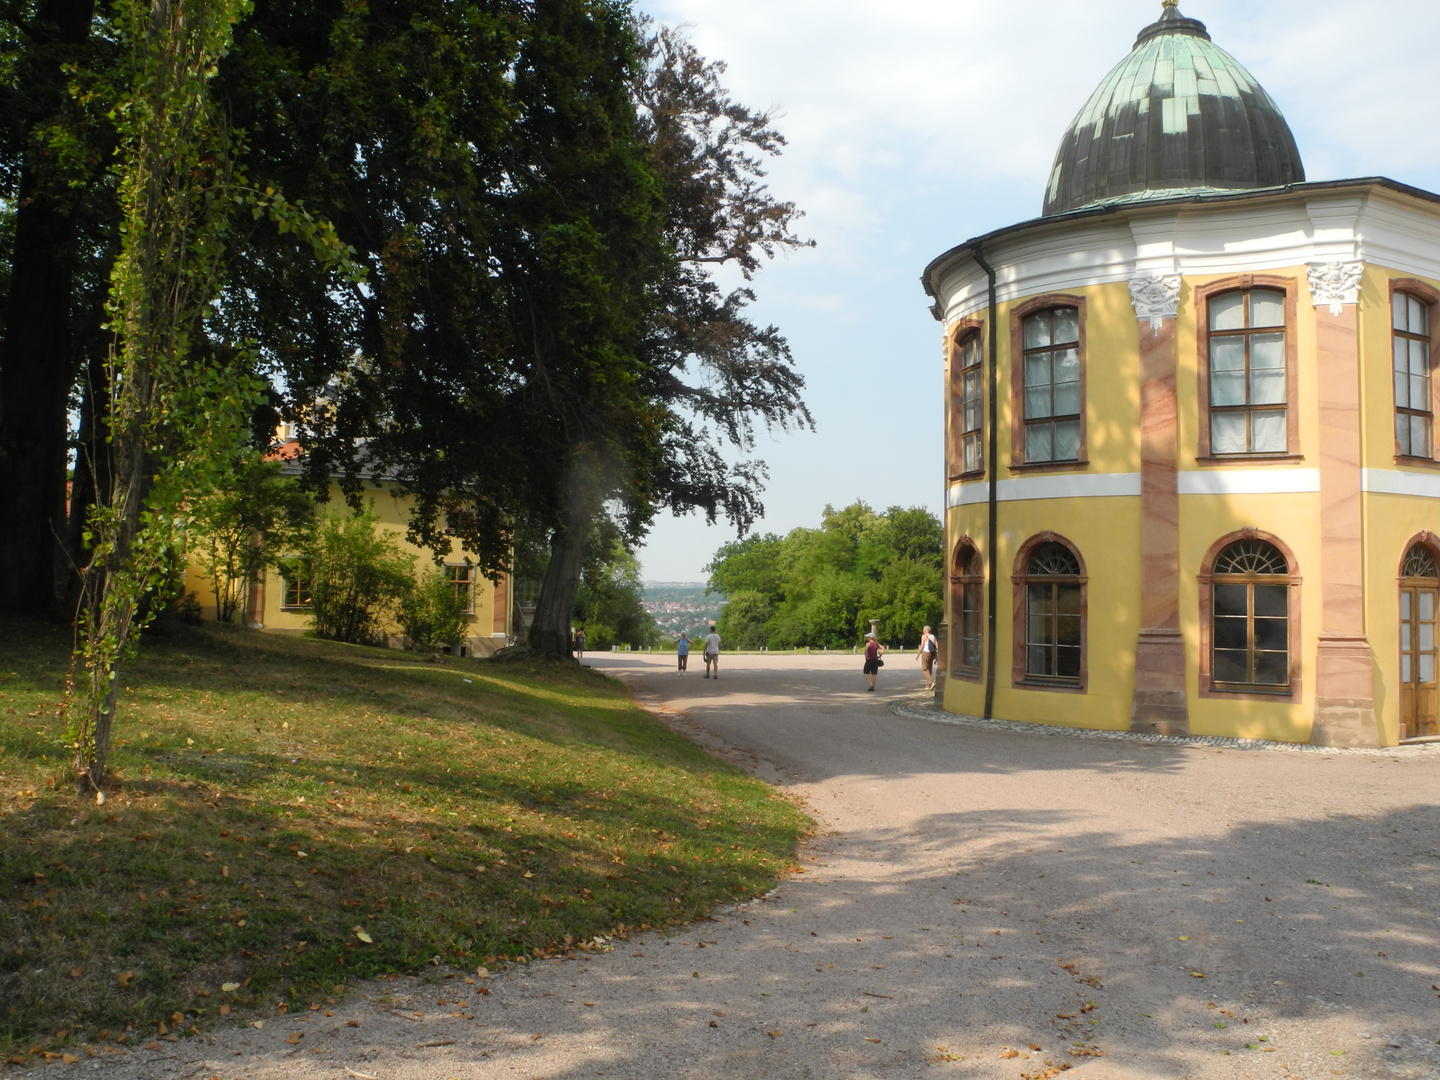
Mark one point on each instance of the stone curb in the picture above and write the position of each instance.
(921, 707)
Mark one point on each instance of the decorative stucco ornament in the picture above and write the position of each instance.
(1155, 296)
(1335, 283)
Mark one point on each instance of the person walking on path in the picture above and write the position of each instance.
(712, 653)
(929, 649)
(682, 651)
(873, 663)
(580, 643)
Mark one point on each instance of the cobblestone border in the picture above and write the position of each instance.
(921, 707)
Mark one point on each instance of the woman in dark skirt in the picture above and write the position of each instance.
(873, 651)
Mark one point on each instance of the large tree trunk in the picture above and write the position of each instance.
(550, 630)
(37, 365)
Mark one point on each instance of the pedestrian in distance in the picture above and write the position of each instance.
(682, 651)
(929, 650)
(873, 651)
(580, 642)
(712, 653)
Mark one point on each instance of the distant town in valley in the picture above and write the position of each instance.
(681, 605)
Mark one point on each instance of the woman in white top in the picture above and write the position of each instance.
(929, 651)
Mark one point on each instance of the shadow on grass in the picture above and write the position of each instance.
(288, 814)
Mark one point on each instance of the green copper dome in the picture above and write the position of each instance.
(1178, 115)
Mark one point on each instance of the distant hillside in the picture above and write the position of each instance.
(681, 605)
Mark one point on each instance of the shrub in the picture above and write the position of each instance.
(433, 615)
(359, 577)
(742, 622)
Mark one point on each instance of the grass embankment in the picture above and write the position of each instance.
(287, 814)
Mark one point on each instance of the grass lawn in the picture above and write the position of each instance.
(286, 814)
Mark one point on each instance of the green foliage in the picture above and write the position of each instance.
(821, 587)
(249, 513)
(433, 614)
(743, 619)
(608, 602)
(748, 565)
(359, 576)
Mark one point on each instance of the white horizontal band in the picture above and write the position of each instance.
(1249, 481)
(1425, 485)
(1063, 486)
(1208, 482)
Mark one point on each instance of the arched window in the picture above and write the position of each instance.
(1052, 385)
(1050, 631)
(1250, 618)
(1420, 640)
(967, 407)
(1412, 341)
(968, 598)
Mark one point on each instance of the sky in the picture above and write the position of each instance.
(913, 125)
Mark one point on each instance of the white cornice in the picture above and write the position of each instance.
(1371, 225)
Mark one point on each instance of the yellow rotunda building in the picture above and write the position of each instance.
(1193, 474)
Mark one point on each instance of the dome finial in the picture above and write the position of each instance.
(1170, 3)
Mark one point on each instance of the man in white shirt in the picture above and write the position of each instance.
(712, 653)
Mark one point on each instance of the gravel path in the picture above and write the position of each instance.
(979, 902)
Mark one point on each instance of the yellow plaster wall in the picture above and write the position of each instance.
(1377, 387)
(1295, 519)
(1106, 530)
(962, 695)
(1390, 522)
(1106, 533)
(1112, 380)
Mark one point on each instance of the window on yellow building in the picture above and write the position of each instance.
(1414, 404)
(967, 408)
(1054, 616)
(462, 580)
(1248, 388)
(967, 596)
(1250, 612)
(1051, 392)
(298, 588)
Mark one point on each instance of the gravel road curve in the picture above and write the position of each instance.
(976, 904)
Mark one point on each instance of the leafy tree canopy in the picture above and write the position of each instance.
(821, 587)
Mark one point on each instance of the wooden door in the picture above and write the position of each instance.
(1419, 660)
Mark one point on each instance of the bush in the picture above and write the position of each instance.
(433, 615)
(359, 577)
(742, 622)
